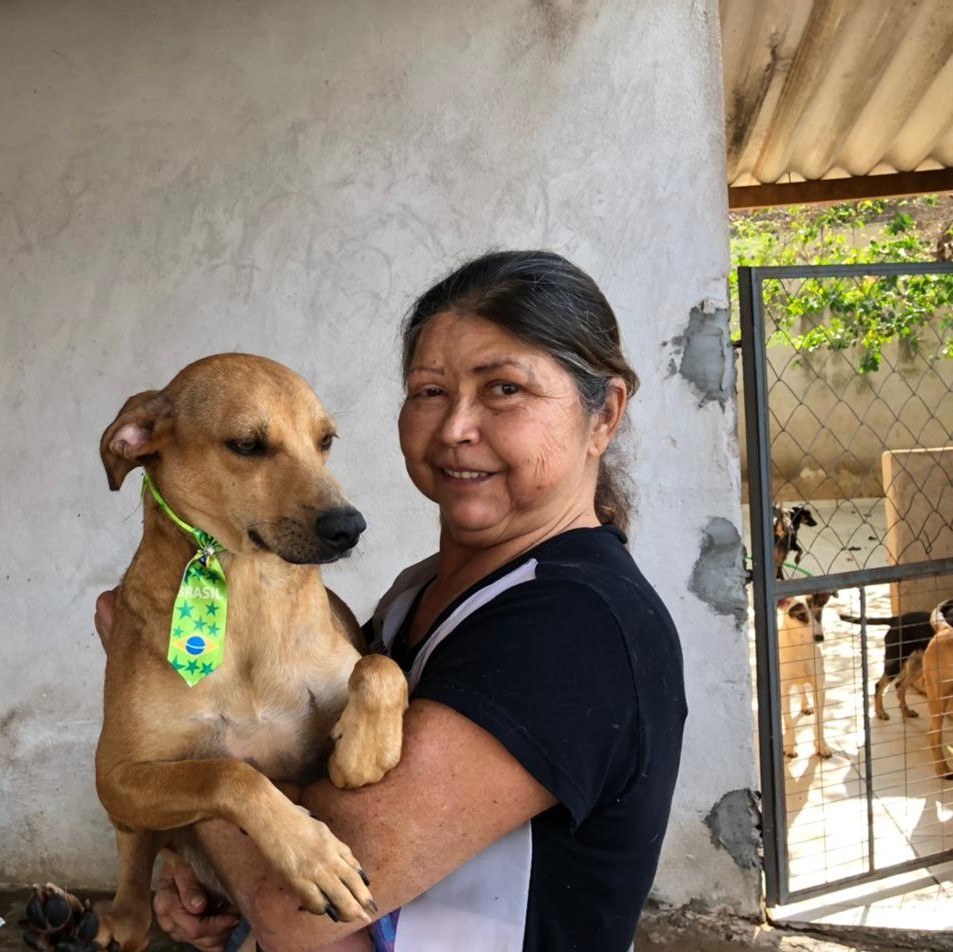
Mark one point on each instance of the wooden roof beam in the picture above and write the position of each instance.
(850, 189)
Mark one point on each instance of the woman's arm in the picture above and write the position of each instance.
(455, 791)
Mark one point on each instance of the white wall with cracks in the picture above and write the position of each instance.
(281, 177)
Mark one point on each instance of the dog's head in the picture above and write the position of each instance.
(801, 515)
(942, 615)
(238, 446)
(803, 613)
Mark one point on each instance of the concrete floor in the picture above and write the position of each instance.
(681, 930)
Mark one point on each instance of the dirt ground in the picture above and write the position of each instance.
(688, 930)
(662, 930)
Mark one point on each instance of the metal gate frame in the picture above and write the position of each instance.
(767, 589)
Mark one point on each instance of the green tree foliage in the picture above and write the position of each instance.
(841, 313)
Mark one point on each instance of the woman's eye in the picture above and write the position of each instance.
(428, 392)
(246, 447)
(506, 389)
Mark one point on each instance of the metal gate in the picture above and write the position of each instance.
(861, 435)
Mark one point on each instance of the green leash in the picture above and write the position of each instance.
(197, 633)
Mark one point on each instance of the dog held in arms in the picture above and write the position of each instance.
(800, 634)
(235, 446)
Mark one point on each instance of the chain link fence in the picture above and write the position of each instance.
(848, 415)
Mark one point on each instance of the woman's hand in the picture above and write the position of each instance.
(180, 903)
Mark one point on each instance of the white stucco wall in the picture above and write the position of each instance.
(281, 177)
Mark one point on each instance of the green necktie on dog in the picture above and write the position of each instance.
(197, 632)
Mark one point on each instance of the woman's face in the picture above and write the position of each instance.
(494, 432)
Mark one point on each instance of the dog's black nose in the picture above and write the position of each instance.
(340, 529)
(818, 637)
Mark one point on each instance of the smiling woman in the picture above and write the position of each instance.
(544, 731)
(554, 309)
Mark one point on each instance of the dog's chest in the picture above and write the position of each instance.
(280, 728)
(283, 682)
(800, 652)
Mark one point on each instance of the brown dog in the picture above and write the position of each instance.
(237, 446)
(938, 687)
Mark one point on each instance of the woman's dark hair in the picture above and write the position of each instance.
(547, 302)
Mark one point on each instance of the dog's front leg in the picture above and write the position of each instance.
(790, 740)
(902, 686)
(368, 735)
(820, 691)
(127, 919)
(164, 795)
(882, 683)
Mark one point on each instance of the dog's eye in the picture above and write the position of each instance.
(247, 447)
(325, 444)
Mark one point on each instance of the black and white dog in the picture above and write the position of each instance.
(786, 525)
(907, 634)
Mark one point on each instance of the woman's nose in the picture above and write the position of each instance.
(461, 423)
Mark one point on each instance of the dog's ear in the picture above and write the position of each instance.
(942, 615)
(135, 434)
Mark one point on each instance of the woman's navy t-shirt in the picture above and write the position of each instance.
(568, 657)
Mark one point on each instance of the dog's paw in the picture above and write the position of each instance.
(790, 753)
(807, 710)
(365, 748)
(58, 921)
(368, 735)
(320, 868)
(824, 752)
(910, 712)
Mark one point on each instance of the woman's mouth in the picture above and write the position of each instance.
(466, 474)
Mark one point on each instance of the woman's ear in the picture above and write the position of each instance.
(607, 420)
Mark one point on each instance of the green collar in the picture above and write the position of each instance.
(197, 633)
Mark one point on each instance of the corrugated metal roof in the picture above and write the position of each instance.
(822, 89)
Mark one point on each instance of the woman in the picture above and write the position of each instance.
(543, 735)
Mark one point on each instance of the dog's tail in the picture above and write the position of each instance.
(861, 619)
(905, 620)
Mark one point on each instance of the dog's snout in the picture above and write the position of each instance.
(340, 529)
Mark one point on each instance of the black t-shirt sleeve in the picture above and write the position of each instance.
(545, 669)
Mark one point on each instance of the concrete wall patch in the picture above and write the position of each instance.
(735, 825)
(718, 576)
(707, 361)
